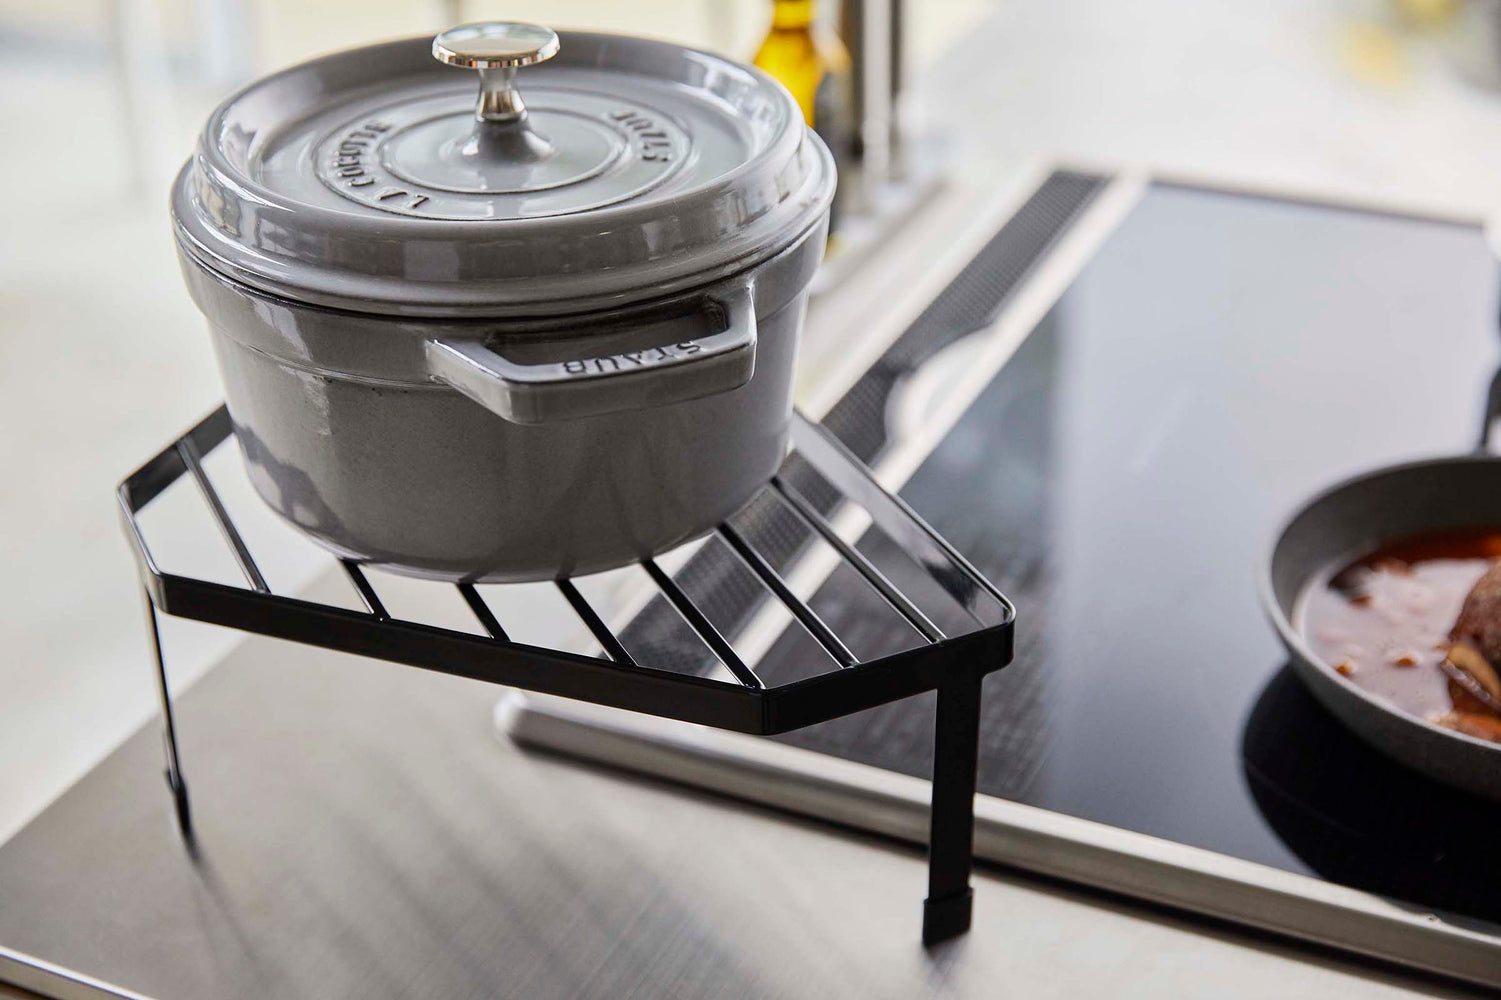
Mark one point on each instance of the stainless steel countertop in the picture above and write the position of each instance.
(362, 833)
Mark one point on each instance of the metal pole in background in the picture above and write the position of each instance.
(875, 94)
(138, 50)
(226, 44)
(852, 34)
(897, 80)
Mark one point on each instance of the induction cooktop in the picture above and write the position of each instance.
(1118, 469)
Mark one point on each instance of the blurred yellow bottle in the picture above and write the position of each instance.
(1428, 13)
(804, 59)
(815, 66)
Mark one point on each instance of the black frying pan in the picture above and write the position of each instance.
(1350, 520)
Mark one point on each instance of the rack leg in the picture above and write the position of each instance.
(175, 782)
(947, 910)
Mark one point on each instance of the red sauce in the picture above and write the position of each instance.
(1383, 622)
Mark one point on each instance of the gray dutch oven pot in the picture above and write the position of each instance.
(508, 341)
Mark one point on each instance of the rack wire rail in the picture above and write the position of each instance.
(953, 665)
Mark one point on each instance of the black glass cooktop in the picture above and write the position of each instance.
(1218, 359)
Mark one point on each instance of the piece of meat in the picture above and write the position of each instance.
(1479, 622)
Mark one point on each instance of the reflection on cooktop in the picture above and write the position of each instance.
(1357, 818)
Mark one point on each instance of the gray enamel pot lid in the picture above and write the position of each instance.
(500, 170)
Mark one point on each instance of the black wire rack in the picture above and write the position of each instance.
(953, 665)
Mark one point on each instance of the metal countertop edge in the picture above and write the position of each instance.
(28, 972)
(1091, 855)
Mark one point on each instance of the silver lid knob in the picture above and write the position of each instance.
(497, 49)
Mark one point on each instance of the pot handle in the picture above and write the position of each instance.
(706, 365)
